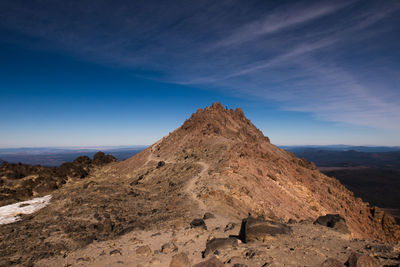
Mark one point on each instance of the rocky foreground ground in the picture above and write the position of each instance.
(217, 243)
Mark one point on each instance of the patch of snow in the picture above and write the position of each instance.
(10, 213)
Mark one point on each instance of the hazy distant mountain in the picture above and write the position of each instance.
(324, 156)
(343, 148)
(57, 156)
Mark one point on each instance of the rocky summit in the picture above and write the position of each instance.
(215, 192)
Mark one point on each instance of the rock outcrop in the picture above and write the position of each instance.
(253, 229)
(23, 181)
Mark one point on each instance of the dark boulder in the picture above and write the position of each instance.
(208, 215)
(253, 229)
(160, 164)
(334, 221)
(198, 223)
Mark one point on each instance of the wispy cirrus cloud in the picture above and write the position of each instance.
(335, 60)
(279, 20)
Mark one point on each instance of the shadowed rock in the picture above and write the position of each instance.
(198, 223)
(333, 221)
(259, 229)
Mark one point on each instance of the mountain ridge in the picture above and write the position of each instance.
(255, 166)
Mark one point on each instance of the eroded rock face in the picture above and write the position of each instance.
(386, 222)
(259, 229)
(334, 221)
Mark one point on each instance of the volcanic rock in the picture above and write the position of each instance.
(198, 223)
(333, 221)
(253, 229)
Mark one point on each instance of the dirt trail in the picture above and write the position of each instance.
(190, 189)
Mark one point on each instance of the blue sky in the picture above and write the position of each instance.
(87, 73)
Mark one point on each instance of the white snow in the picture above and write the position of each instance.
(9, 213)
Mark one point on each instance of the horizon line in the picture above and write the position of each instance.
(137, 146)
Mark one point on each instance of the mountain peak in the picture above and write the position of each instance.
(241, 172)
(217, 120)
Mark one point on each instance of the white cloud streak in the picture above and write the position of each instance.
(279, 21)
(299, 55)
